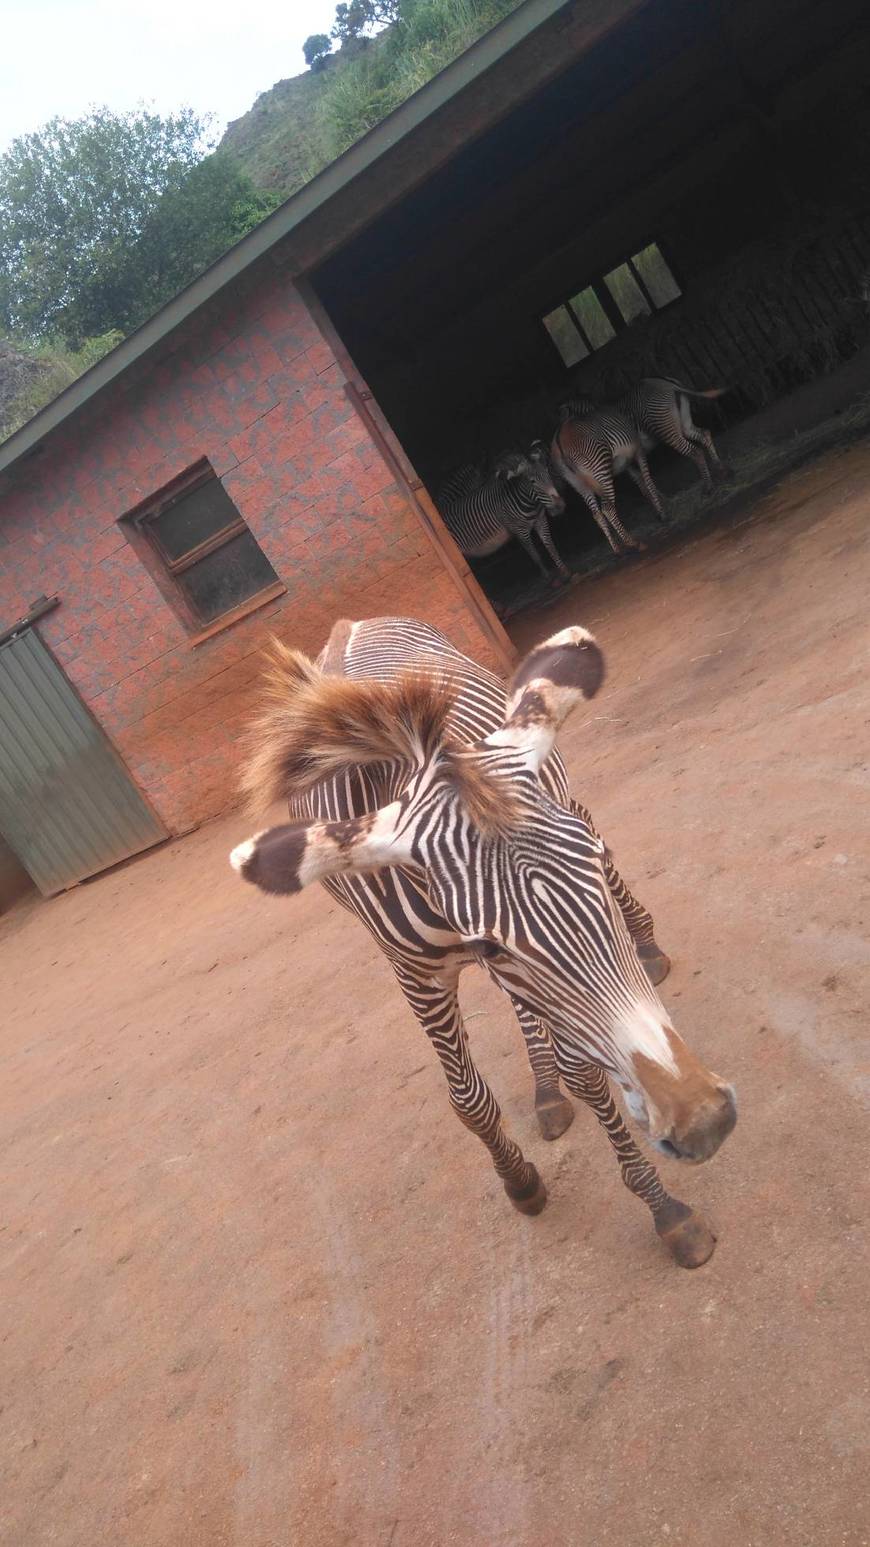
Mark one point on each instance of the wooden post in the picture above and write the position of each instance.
(419, 500)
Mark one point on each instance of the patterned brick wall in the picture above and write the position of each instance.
(253, 385)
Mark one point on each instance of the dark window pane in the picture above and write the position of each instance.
(656, 275)
(560, 326)
(227, 577)
(194, 517)
(592, 317)
(627, 293)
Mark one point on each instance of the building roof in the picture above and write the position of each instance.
(463, 101)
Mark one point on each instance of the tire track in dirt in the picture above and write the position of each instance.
(488, 1504)
(366, 1497)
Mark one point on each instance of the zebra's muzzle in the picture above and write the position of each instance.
(699, 1140)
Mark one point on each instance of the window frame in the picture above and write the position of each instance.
(140, 528)
(608, 302)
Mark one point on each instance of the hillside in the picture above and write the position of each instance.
(301, 124)
(273, 141)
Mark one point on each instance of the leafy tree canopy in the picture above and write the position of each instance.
(315, 50)
(354, 19)
(104, 218)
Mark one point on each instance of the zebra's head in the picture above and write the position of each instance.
(519, 879)
(532, 476)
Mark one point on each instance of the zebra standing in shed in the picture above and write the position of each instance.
(660, 408)
(590, 448)
(482, 514)
(438, 813)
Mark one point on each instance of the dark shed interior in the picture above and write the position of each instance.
(733, 134)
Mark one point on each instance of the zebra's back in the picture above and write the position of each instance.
(394, 904)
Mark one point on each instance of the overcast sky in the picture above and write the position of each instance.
(62, 56)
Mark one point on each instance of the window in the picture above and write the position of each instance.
(589, 320)
(201, 549)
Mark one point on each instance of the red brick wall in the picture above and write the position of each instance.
(253, 385)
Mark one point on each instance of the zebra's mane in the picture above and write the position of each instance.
(314, 725)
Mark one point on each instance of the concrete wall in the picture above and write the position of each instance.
(253, 385)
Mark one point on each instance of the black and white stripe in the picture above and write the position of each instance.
(543, 910)
(660, 408)
(484, 513)
(591, 447)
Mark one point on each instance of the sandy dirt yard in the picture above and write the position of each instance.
(259, 1286)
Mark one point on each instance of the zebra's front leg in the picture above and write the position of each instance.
(437, 1010)
(542, 527)
(554, 1111)
(526, 539)
(638, 920)
(687, 1236)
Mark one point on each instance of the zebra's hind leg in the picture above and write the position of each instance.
(670, 431)
(696, 433)
(555, 1113)
(638, 920)
(688, 1238)
(591, 500)
(608, 511)
(437, 1010)
(638, 471)
(707, 441)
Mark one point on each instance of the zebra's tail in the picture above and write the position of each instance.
(709, 392)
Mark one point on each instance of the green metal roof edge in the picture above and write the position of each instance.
(480, 57)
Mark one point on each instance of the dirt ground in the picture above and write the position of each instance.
(261, 1288)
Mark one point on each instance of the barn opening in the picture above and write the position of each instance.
(686, 196)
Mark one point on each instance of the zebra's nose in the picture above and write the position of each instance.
(712, 1127)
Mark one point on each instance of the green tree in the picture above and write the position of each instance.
(104, 218)
(355, 19)
(315, 49)
(73, 197)
(189, 228)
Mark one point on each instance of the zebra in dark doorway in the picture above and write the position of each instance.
(437, 811)
(589, 450)
(661, 410)
(482, 514)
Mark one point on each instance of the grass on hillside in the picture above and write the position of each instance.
(298, 127)
(54, 368)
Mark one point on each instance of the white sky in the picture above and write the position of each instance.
(59, 57)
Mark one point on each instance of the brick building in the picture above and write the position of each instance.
(250, 403)
(244, 464)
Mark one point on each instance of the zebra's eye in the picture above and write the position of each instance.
(485, 948)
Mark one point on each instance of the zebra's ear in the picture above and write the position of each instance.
(511, 464)
(546, 686)
(283, 859)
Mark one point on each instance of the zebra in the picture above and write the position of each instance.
(660, 409)
(589, 450)
(436, 810)
(482, 514)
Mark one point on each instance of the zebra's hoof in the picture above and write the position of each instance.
(690, 1242)
(655, 963)
(531, 1198)
(554, 1116)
